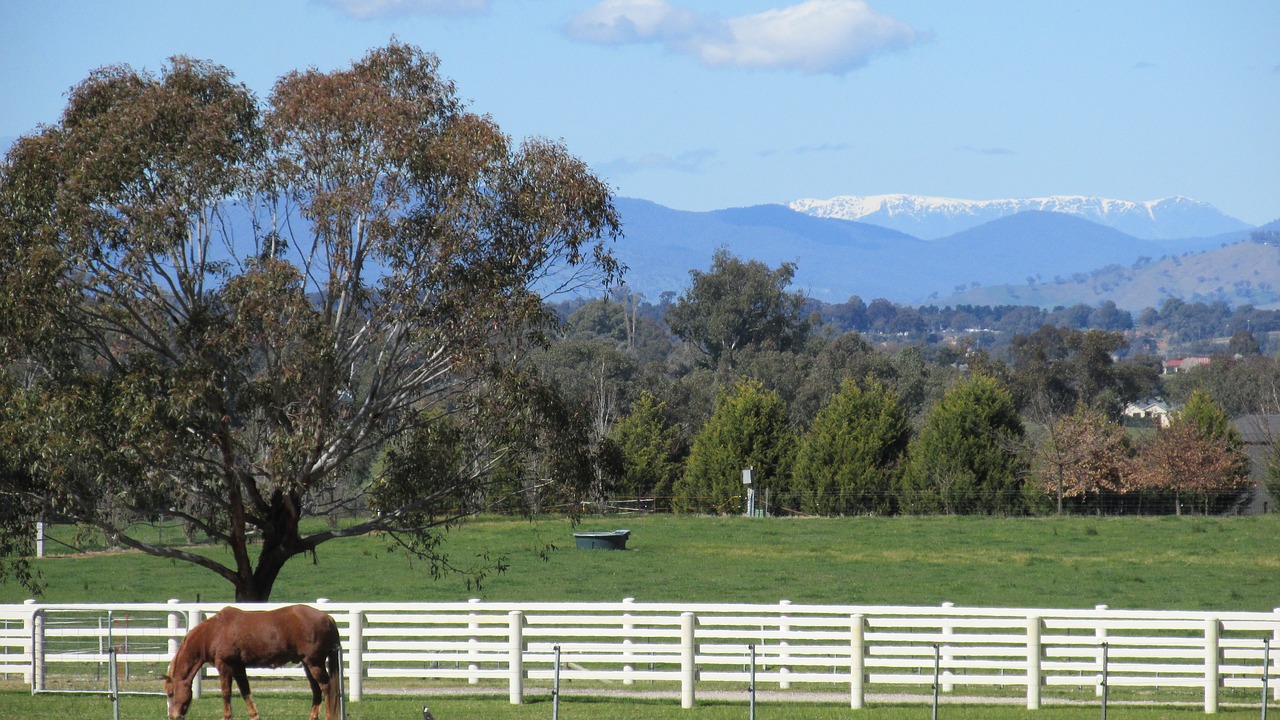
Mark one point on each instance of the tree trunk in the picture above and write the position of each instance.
(280, 541)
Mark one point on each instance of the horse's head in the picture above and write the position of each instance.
(179, 695)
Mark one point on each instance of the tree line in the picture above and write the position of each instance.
(740, 372)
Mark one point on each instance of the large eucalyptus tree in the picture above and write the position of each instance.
(213, 308)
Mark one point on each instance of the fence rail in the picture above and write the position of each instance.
(687, 646)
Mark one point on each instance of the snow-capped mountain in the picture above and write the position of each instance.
(930, 218)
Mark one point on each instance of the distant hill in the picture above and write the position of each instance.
(839, 258)
(835, 258)
(933, 217)
(1036, 245)
(1245, 272)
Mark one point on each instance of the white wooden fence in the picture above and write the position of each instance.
(688, 646)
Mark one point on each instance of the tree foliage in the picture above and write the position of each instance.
(749, 429)
(650, 449)
(967, 457)
(1056, 369)
(738, 305)
(1200, 453)
(1083, 457)
(215, 308)
(1183, 459)
(848, 460)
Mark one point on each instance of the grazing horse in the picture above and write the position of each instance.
(233, 639)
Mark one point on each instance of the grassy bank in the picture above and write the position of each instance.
(1149, 563)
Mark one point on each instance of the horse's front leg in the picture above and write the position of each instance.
(224, 676)
(227, 671)
(316, 675)
(242, 680)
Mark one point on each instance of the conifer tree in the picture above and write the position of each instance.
(649, 445)
(847, 461)
(749, 429)
(967, 456)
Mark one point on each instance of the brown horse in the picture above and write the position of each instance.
(234, 639)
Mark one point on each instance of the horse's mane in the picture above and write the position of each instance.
(190, 646)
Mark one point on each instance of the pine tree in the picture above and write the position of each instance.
(649, 446)
(967, 457)
(749, 429)
(847, 461)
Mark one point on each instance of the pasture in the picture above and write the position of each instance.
(1187, 563)
(1175, 563)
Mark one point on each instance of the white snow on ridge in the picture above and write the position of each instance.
(934, 217)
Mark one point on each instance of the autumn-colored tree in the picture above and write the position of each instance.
(1200, 453)
(213, 310)
(1083, 455)
(847, 461)
(1183, 459)
(749, 429)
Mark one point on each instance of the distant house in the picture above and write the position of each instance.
(1153, 409)
(1184, 364)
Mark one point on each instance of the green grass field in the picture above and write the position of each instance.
(1188, 563)
(275, 706)
(1148, 563)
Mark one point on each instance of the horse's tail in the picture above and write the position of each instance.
(333, 691)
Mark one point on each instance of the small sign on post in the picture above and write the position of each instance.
(751, 492)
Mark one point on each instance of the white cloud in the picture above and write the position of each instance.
(368, 9)
(618, 22)
(816, 36)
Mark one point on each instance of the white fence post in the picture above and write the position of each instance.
(515, 624)
(1212, 661)
(1034, 654)
(1275, 643)
(857, 661)
(193, 619)
(1100, 634)
(784, 627)
(34, 626)
(948, 629)
(688, 659)
(355, 651)
(628, 654)
(473, 644)
(174, 625)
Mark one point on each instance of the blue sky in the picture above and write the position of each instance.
(700, 105)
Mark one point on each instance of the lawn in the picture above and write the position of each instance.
(63, 707)
(1187, 563)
